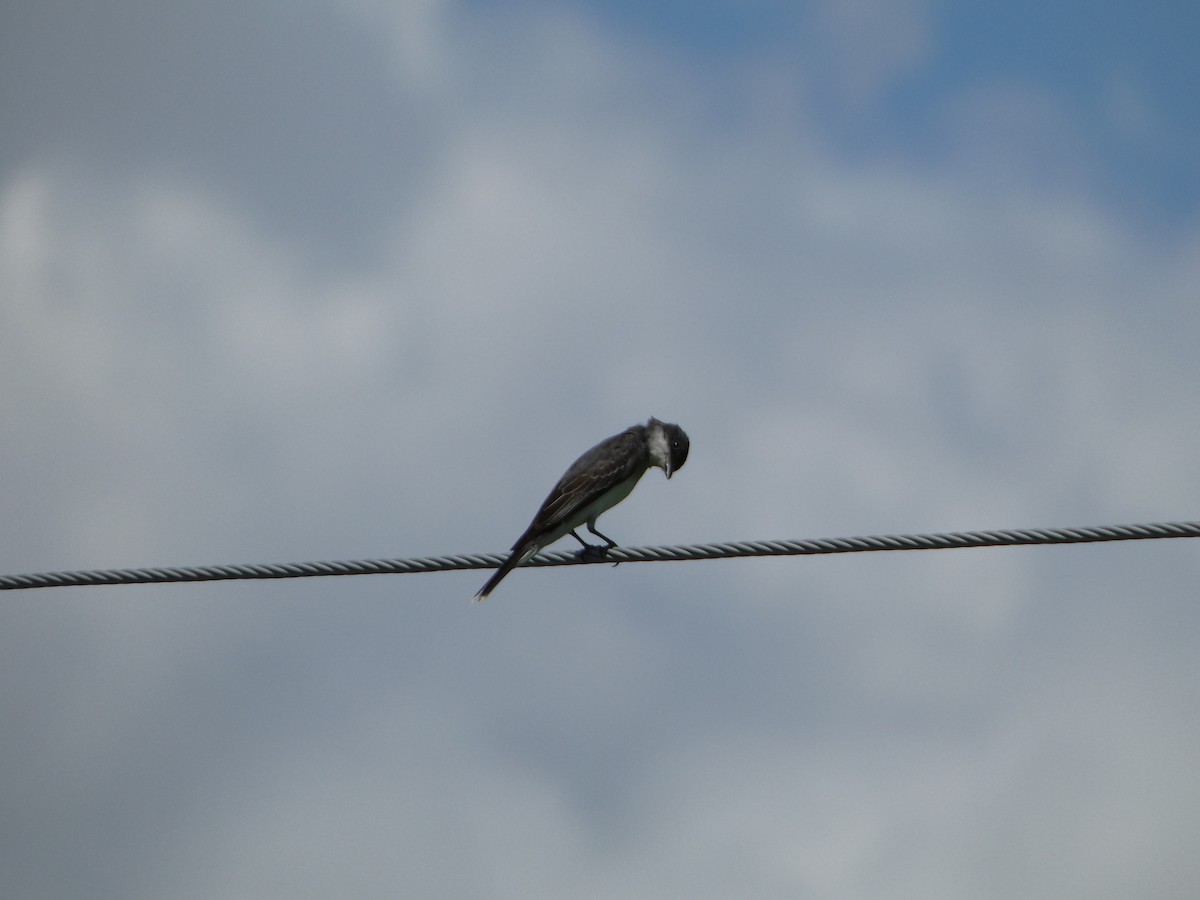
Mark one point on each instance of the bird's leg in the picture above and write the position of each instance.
(591, 551)
(604, 537)
(609, 541)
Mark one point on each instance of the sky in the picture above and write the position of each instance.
(345, 279)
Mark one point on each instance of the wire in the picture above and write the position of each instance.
(943, 541)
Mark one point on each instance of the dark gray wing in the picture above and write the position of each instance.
(599, 470)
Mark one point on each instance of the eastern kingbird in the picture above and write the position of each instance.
(597, 481)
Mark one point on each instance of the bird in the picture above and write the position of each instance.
(597, 481)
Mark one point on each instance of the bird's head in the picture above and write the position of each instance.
(669, 446)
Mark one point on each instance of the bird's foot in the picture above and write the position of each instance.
(593, 552)
(596, 552)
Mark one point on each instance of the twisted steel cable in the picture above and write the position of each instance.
(867, 544)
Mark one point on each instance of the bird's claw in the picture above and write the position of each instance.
(593, 552)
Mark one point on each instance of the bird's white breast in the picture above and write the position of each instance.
(660, 450)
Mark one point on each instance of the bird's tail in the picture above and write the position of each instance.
(507, 566)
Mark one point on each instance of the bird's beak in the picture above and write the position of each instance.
(667, 468)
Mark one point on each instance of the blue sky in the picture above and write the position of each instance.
(1121, 72)
(354, 278)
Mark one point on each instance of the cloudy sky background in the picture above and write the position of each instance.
(325, 280)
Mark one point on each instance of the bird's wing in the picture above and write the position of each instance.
(599, 470)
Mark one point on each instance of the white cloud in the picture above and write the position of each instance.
(872, 44)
